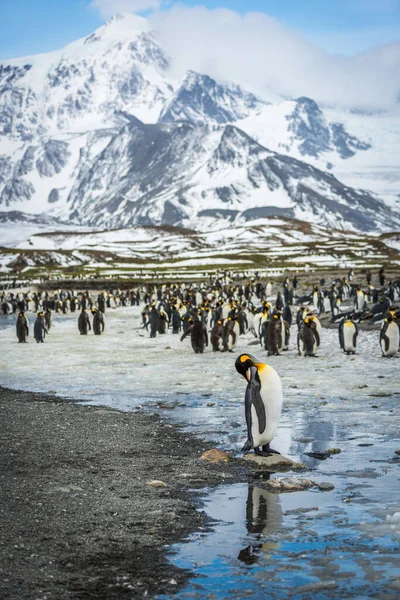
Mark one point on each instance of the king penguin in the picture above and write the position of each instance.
(263, 403)
(389, 336)
(348, 332)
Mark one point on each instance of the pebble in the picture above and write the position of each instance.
(156, 483)
(325, 486)
(397, 452)
(323, 454)
(215, 456)
(210, 403)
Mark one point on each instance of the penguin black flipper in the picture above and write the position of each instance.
(341, 337)
(187, 332)
(247, 411)
(384, 337)
(253, 397)
(258, 404)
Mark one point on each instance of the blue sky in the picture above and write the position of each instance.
(338, 26)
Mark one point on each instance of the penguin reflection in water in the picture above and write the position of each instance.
(263, 516)
(263, 403)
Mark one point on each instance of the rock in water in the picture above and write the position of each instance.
(215, 456)
(275, 462)
(325, 486)
(289, 484)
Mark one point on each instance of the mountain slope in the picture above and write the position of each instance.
(200, 99)
(178, 173)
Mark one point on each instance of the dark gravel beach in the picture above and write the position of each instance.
(78, 517)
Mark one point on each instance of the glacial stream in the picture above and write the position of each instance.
(340, 543)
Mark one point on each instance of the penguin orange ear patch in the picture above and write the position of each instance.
(244, 358)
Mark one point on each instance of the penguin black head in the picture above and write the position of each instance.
(244, 363)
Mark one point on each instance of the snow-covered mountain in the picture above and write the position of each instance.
(100, 133)
(200, 99)
(119, 67)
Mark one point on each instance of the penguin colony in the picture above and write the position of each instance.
(221, 312)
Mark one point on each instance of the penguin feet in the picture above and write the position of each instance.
(265, 451)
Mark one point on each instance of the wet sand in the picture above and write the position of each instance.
(78, 518)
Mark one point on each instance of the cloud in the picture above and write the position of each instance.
(108, 8)
(258, 51)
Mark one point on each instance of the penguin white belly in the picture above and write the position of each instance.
(315, 345)
(392, 333)
(256, 324)
(348, 337)
(315, 300)
(319, 326)
(327, 305)
(225, 311)
(233, 339)
(360, 301)
(272, 397)
(300, 345)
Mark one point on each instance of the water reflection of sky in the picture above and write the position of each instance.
(330, 401)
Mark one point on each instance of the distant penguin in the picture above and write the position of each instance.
(153, 320)
(231, 334)
(217, 337)
(198, 337)
(256, 327)
(162, 322)
(359, 300)
(48, 318)
(286, 334)
(22, 326)
(84, 322)
(98, 321)
(275, 334)
(39, 328)
(175, 320)
(389, 336)
(243, 322)
(263, 403)
(317, 325)
(287, 315)
(348, 332)
(226, 309)
(308, 338)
